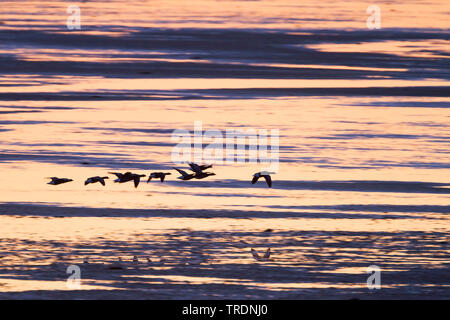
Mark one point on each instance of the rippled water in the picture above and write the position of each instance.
(363, 117)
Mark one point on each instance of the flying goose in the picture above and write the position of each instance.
(55, 180)
(265, 175)
(199, 174)
(160, 175)
(265, 257)
(128, 176)
(195, 167)
(96, 179)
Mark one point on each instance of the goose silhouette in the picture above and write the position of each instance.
(265, 175)
(199, 174)
(128, 176)
(55, 180)
(160, 175)
(96, 179)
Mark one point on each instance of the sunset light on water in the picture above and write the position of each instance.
(350, 127)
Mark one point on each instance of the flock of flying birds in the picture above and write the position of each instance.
(198, 172)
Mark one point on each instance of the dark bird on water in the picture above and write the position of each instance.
(96, 179)
(265, 175)
(55, 180)
(185, 175)
(128, 176)
(160, 175)
(198, 169)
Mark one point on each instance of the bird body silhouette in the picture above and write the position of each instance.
(199, 171)
(203, 175)
(55, 180)
(96, 179)
(128, 176)
(265, 175)
(160, 175)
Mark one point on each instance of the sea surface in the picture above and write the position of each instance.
(363, 176)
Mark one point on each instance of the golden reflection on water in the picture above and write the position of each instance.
(284, 14)
(93, 83)
(77, 228)
(188, 246)
(323, 138)
(250, 284)
(327, 138)
(19, 285)
(401, 48)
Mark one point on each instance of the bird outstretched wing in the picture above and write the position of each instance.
(204, 167)
(255, 179)
(182, 172)
(267, 254)
(102, 181)
(195, 168)
(136, 181)
(255, 254)
(268, 180)
(118, 174)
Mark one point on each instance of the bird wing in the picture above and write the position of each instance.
(162, 177)
(136, 181)
(102, 181)
(195, 168)
(118, 174)
(267, 254)
(255, 254)
(182, 172)
(268, 180)
(255, 178)
(204, 167)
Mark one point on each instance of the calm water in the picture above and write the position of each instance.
(363, 117)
